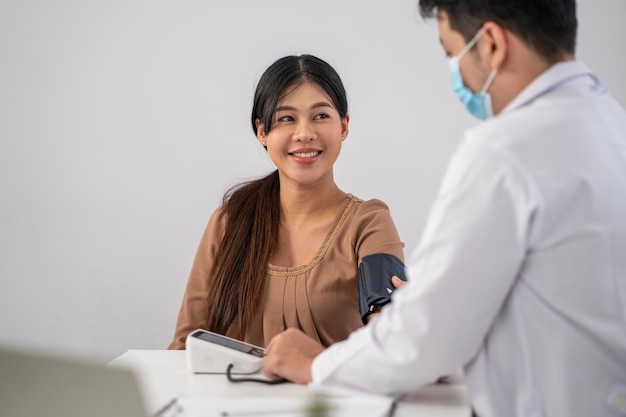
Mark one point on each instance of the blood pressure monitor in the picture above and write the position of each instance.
(209, 352)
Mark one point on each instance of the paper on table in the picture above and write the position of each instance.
(373, 406)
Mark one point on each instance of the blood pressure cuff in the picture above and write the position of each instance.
(375, 287)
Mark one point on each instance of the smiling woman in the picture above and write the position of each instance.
(305, 140)
(284, 250)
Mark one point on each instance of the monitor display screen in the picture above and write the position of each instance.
(231, 343)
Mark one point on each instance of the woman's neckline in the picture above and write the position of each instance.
(277, 270)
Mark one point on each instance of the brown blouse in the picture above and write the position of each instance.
(320, 298)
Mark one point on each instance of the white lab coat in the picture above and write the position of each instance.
(520, 275)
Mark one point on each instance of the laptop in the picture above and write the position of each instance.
(42, 385)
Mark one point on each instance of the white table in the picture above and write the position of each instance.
(163, 375)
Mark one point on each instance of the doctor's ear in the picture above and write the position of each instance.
(495, 44)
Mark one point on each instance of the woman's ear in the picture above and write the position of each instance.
(260, 133)
(495, 45)
(344, 127)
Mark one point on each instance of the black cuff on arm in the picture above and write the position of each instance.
(375, 287)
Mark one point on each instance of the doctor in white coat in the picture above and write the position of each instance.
(520, 275)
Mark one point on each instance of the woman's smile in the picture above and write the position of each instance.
(305, 156)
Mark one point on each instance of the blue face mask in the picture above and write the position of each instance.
(478, 104)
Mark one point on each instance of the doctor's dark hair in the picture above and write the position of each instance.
(546, 26)
(252, 209)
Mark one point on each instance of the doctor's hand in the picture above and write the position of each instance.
(397, 282)
(290, 355)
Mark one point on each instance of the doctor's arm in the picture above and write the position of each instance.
(471, 251)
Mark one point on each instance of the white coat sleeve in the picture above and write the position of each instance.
(471, 250)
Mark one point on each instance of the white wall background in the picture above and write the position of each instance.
(123, 122)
